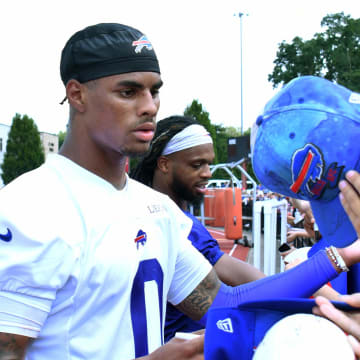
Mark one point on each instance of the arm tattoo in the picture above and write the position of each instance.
(199, 301)
(12, 347)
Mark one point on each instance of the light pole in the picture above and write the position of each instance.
(243, 178)
(240, 14)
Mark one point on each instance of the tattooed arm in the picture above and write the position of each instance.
(199, 301)
(211, 292)
(12, 346)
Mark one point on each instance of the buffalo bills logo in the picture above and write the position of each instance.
(308, 172)
(141, 43)
(140, 238)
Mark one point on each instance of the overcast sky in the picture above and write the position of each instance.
(197, 43)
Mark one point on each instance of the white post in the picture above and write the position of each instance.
(283, 209)
(268, 249)
(257, 234)
(268, 241)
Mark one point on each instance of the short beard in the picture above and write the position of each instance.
(183, 192)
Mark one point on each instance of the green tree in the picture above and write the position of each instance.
(231, 132)
(197, 111)
(221, 143)
(222, 136)
(61, 136)
(24, 150)
(333, 54)
(249, 167)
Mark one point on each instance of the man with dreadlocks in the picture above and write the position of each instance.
(177, 164)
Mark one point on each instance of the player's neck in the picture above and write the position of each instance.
(110, 168)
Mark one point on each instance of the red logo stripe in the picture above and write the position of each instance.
(295, 187)
(139, 238)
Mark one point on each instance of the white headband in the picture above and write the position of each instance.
(189, 137)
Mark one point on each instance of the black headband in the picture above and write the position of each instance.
(104, 50)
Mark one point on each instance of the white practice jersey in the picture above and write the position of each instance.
(86, 269)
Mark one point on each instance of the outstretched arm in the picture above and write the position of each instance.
(198, 302)
(233, 272)
(305, 209)
(301, 281)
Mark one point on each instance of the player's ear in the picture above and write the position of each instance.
(163, 164)
(75, 94)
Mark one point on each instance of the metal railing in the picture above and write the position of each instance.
(266, 255)
(228, 168)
